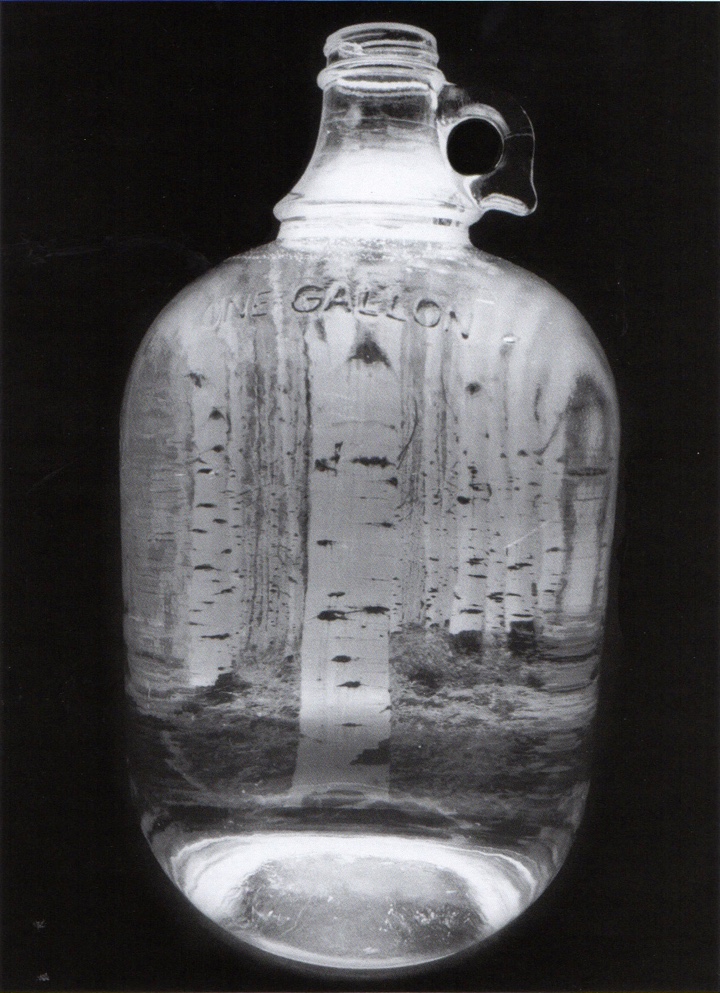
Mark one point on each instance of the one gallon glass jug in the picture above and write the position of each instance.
(368, 480)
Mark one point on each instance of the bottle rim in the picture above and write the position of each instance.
(398, 51)
(386, 39)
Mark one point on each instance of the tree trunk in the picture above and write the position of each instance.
(352, 597)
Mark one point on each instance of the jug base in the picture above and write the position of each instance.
(353, 904)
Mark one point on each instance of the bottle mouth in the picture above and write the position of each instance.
(382, 44)
(381, 38)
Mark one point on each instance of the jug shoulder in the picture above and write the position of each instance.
(192, 302)
(194, 310)
(528, 306)
(457, 290)
(519, 287)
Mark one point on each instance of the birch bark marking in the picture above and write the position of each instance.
(211, 620)
(153, 479)
(551, 409)
(243, 482)
(269, 618)
(584, 499)
(440, 472)
(474, 491)
(493, 405)
(409, 477)
(352, 585)
(523, 529)
(291, 442)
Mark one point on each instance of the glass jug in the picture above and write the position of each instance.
(368, 484)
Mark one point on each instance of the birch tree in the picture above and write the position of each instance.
(352, 595)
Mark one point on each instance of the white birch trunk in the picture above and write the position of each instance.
(523, 525)
(472, 382)
(499, 476)
(154, 493)
(576, 504)
(411, 481)
(441, 472)
(213, 634)
(352, 595)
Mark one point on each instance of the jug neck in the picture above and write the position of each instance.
(379, 169)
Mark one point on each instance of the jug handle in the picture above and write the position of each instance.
(509, 185)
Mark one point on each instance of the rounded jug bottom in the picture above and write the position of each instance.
(354, 903)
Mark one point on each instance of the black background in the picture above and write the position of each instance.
(144, 142)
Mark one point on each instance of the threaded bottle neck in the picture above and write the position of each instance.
(385, 51)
